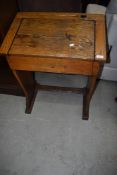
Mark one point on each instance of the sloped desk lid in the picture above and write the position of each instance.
(57, 37)
(63, 35)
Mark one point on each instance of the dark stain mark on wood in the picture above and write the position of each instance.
(69, 36)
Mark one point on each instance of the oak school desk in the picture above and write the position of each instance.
(66, 43)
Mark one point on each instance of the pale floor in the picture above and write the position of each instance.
(54, 140)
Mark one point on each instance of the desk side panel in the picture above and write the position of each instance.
(4, 49)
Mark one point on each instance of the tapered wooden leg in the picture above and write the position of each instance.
(29, 87)
(91, 85)
(88, 95)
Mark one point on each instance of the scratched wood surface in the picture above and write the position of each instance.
(69, 38)
(55, 38)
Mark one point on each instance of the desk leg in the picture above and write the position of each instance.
(88, 95)
(91, 85)
(29, 87)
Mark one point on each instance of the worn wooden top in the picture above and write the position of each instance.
(63, 35)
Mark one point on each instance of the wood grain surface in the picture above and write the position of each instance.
(63, 33)
(57, 37)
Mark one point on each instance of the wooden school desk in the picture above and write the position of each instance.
(66, 43)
